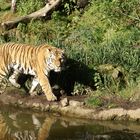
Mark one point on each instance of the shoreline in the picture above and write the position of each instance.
(68, 107)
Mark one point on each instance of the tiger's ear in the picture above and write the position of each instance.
(49, 50)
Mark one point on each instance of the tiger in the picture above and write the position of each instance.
(36, 61)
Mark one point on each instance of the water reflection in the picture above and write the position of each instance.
(26, 125)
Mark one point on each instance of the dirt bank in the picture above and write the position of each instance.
(68, 106)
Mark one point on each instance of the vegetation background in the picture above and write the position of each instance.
(104, 36)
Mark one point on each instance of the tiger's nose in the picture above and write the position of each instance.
(61, 60)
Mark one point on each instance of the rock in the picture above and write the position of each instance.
(36, 105)
(47, 108)
(111, 114)
(54, 107)
(64, 102)
(20, 102)
(75, 103)
(82, 3)
(134, 114)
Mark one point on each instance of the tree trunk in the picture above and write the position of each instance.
(38, 14)
(13, 6)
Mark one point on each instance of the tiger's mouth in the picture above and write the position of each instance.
(59, 69)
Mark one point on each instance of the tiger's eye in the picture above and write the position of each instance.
(60, 59)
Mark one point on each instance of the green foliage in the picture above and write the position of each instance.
(33, 33)
(4, 5)
(67, 7)
(25, 7)
(95, 100)
(80, 89)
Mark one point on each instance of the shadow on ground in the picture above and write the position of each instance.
(75, 72)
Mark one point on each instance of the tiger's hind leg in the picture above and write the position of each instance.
(34, 85)
(13, 78)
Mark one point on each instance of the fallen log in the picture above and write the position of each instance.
(35, 15)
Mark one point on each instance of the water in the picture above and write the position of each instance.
(18, 124)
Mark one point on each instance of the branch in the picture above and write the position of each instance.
(38, 14)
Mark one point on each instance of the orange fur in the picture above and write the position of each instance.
(37, 61)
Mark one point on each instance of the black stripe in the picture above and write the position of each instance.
(22, 52)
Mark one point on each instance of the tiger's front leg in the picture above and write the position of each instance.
(34, 85)
(44, 82)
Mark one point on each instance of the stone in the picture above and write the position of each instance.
(64, 102)
(36, 105)
(20, 102)
(76, 103)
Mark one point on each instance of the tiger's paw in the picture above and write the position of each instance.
(14, 83)
(51, 97)
(34, 93)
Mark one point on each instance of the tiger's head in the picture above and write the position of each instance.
(56, 59)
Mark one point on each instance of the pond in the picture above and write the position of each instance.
(20, 124)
